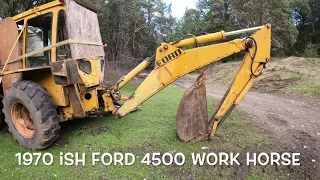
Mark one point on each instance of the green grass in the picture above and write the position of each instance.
(304, 85)
(150, 129)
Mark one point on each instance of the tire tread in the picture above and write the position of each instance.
(45, 110)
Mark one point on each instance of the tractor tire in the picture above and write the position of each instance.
(3, 125)
(31, 115)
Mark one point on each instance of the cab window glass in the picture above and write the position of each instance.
(39, 32)
(20, 26)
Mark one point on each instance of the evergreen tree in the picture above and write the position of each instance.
(310, 51)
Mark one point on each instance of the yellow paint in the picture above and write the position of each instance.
(200, 39)
(190, 60)
(59, 95)
(55, 32)
(172, 63)
(41, 9)
(24, 70)
(94, 78)
(108, 103)
(88, 105)
(52, 7)
(244, 80)
(214, 128)
(24, 46)
(92, 104)
(142, 66)
(67, 113)
(56, 91)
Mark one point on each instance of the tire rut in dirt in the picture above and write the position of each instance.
(41, 110)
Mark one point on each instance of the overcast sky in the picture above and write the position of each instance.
(179, 6)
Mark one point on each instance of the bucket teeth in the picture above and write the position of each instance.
(192, 117)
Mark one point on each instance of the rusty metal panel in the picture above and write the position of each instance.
(8, 35)
(65, 72)
(75, 100)
(83, 25)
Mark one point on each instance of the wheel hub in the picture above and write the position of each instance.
(22, 120)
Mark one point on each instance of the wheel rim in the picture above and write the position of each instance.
(22, 120)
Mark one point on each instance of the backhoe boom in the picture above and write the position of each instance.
(173, 62)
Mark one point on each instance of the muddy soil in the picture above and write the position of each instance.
(293, 121)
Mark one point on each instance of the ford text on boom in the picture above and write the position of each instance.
(168, 58)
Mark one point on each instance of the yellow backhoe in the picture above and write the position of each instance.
(52, 70)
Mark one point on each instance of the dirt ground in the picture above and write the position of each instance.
(293, 121)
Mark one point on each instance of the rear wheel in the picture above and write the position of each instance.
(31, 116)
(22, 120)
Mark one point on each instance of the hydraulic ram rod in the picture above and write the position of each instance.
(243, 31)
(211, 37)
(133, 73)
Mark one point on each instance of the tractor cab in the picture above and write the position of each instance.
(57, 45)
(61, 41)
(47, 25)
(52, 67)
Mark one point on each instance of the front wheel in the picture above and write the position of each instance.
(31, 115)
